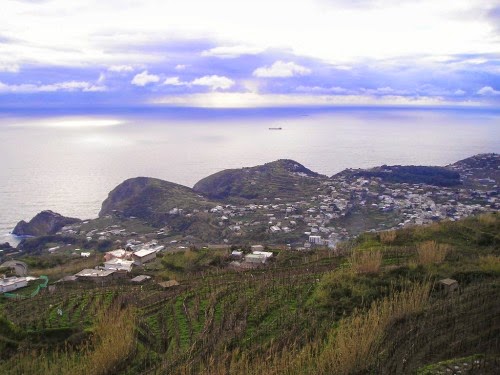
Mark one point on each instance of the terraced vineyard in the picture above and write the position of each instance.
(286, 318)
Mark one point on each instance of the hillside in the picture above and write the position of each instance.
(283, 179)
(151, 199)
(374, 307)
(282, 202)
(437, 176)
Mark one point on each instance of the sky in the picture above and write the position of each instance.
(247, 54)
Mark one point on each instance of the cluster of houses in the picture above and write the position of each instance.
(320, 218)
(118, 263)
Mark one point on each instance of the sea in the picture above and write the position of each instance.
(68, 161)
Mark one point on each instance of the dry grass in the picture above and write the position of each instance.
(487, 219)
(69, 268)
(366, 261)
(111, 344)
(490, 263)
(387, 237)
(352, 346)
(431, 252)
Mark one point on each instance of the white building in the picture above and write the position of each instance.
(316, 240)
(265, 254)
(8, 284)
(255, 258)
(119, 265)
(95, 275)
(143, 256)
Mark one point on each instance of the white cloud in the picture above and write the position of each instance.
(385, 91)
(9, 68)
(70, 86)
(174, 81)
(229, 52)
(281, 69)
(180, 67)
(121, 68)
(390, 29)
(144, 78)
(324, 90)
(214, 82)
(488, 91)
(254, 100)
(459, 92)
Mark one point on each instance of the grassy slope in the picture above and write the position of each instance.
(289, 316)
(271, 180)
(151, 198)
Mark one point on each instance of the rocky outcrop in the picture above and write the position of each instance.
(44, 223)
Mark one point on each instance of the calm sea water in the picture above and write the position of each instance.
(69, 162)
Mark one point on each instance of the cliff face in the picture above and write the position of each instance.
(282, 178)
(44, 223)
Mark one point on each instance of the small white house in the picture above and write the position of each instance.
(255, 258)
(119, 264)
(95, 275)
(143, 256)
(266, 254)
(316, 240)
(8, 284)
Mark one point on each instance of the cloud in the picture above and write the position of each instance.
(381, 91)
(231, 52)
(154, 22)
(121, 68)
(70, 86)
(254, 100)
(488, 91)
(214, 82)
(180, 67)
(174, 81)
(323, 90)
(9, 68)
(144, 78)
(281, 69)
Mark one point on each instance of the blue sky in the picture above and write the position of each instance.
(238, 54)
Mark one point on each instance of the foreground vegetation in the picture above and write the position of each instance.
(376, 307)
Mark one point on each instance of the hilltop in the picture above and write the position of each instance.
(279, 179)
(152, 199)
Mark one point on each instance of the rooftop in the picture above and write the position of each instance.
(89, 272)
